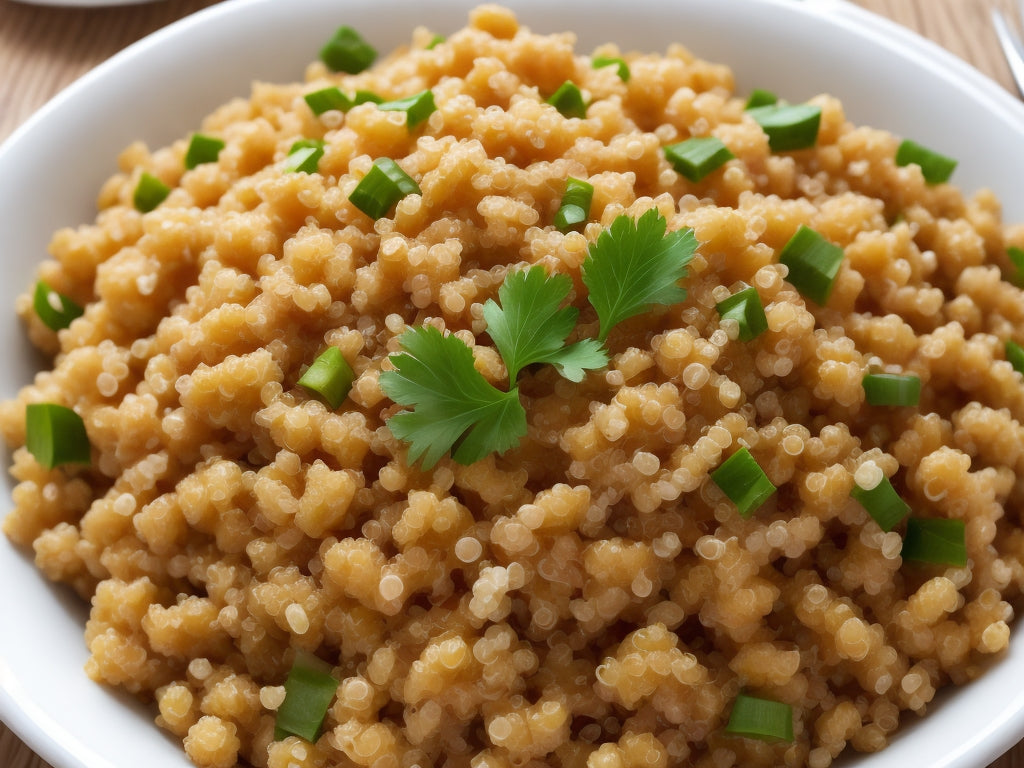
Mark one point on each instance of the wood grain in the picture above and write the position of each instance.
(43, 49)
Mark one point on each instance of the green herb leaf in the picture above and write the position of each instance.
(55, 435)
(308, 693)
(347, 51)
(760, 719)
(936, 540)
(55, 309)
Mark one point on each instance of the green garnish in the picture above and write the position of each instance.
(417, 107)
(366, 97)
(327, 99)
(435, 41)
(634, 265)
(575, 207)
(741, 479)
(697, 157)
(304, 156)
(1014, 355)
(760, 719)
(569, 100)
(308, 693)
(789, 126)
(813, 263)
(746, 308)
(383, 186)
(935, 168)
(330, 377)
(883, 504)
(622, 68)
(202, 149)
(55, 435)
(760, 98)
(55, 309)
(891, 389)
(1016, 257)
(530, 326)
(935, 540)
(149, 193)
(347, 51)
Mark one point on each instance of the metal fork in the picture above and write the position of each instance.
(1013, 47)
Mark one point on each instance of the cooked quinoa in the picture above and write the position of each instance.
(591, 597)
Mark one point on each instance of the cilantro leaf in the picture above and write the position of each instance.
(635, 265)
(452, 402)
(530, 326)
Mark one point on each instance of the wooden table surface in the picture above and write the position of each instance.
(43, 49)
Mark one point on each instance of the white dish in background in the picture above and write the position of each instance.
(160, 88)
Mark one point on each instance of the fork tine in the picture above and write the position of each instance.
(1013, 50)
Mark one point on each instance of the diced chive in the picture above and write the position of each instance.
(417, 107)
(55, 435)
(743, 481)
(813, 263)
(622, 68)
(347, 51)
(308, 693)
(568, 100)
(55, 309)
(1016, 257)
(760, 98)
(697, 157)
(1015, 355)
(383, 186)
(757, 718)
(935, 168)
(789, 126)
(327, 99)
(202, 149)
(435, 41)
(304, 156)
(149, 193)
(935, 540)
(366, 97)
(330, 377)
(745, 307)
(883, 504)
(891, 389)
(575, 207)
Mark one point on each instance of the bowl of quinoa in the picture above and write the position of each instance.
(517, 386)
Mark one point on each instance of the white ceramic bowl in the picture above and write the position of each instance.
(52, 167)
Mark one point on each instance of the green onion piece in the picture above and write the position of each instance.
(789, 126)
(55, 435)
(1016, 257)
(55, 309)
(757, 718)
(697, 157)
(347, 51)
(383, 186)
(743, 481)
(575, 207)
(935, 168)
(569, 100)
(1014, 355)
(599, 62)
(746, 308)
(891, 389)
(417, 107)
(883, 504)
(149, 193)
(760, 98)
(329, 377)
(935, 540)
(813, 263)
(308, 693)
(366, 97)
(327, 99)
(202, 149)
(304, 156)
(435, 41)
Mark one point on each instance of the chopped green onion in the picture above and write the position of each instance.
(304, 156)
(746, 308)
(1016, 257)
(743, 481)
(330, 377)
(327, 99)
(788, 126)
(891, 389)
(55, 435)
(760, 719)
(883, 504)
(569, 100)
(149, 193)
(308, 693)
(202, 149)
(935, 540)
(935, 168)
(383, 186)
(599, 62)
(417, 107)
(760, 98)
(575, 207)
(1014, 355)
(347, 51)
(813, 263)
(55, 309)
(697, 157)
(366, 97)
(435, 41)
